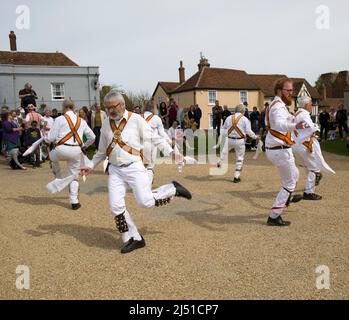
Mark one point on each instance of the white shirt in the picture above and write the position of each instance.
(279, 120)
(156, 124)
(304, 134)
(61, 128)
(49, 122)
(244, 125)
(136, 134)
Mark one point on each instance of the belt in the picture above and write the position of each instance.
(278, 148)
(235, 138)
(71, 145)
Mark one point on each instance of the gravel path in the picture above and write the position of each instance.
(216, 246)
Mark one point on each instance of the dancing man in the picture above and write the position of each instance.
(127, 139)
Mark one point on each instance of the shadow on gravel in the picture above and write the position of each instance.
(103, 238)
(41, 201)
(207, 218)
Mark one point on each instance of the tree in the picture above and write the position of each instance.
(106, 89)
(138, 98)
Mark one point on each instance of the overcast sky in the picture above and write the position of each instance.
(137, 43)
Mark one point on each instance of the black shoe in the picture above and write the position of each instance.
(278, 222)
(76, 206)
(181, 191)
(133, 245)
(311, 196)
(296, 198)
(219, 165)
(237, 180)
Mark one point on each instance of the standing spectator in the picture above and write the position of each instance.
(20, 115)
(11, 141)
(97, 118)
(342, 120)
(172, 112)
(4, 109)
(15, 119)
(180, 116)
(88, 115)
(54, 114)
(226, 113)
(324, 119)
(247, 113)
(163, 112)
(32, 135)
(333, 124)
(32, 115)
(27, 96)
(217, 112)
(198, 115)
(137, 109)
(48, 120)
(255, 120)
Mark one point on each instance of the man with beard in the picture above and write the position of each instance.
(278, 148)
(127, 139)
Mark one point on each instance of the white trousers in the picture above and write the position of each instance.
(134, 176)
(72, 155)
(311, 166)
(284, 160)
(151, 165)
(240, 149)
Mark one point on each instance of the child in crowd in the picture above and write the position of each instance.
(33, 134)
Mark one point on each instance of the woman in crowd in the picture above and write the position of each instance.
(163, 112)
(11, 141)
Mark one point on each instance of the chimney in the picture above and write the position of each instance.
(203, 62)
(13, 41)
(181, 73)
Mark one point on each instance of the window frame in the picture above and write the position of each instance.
(208, 96)
(55, 97)
(241, 96)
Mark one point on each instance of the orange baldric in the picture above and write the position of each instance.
(151, 116)
(117, 130)
(73, 131)
(284, 137)
(234, 126)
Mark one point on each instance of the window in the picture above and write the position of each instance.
(243, 96)
(57, 90)
(210, 120)
(212, 97)
(160, 99)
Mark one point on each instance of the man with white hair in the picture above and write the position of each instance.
(308, 149)
(236, 127)
(280, 124)
(126, 139)
(157, 126)
(66, 137)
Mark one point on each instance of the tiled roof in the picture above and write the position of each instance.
(266, 82)
(169, 86)
(218, 79)
(35, 59)
(297, 85)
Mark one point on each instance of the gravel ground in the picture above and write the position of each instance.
(216, 246)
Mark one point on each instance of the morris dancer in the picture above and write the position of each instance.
(236, 127)
(308, 149)
(66, 139)
(278, 143)
(126, 139)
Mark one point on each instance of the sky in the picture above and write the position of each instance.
(137, 43)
